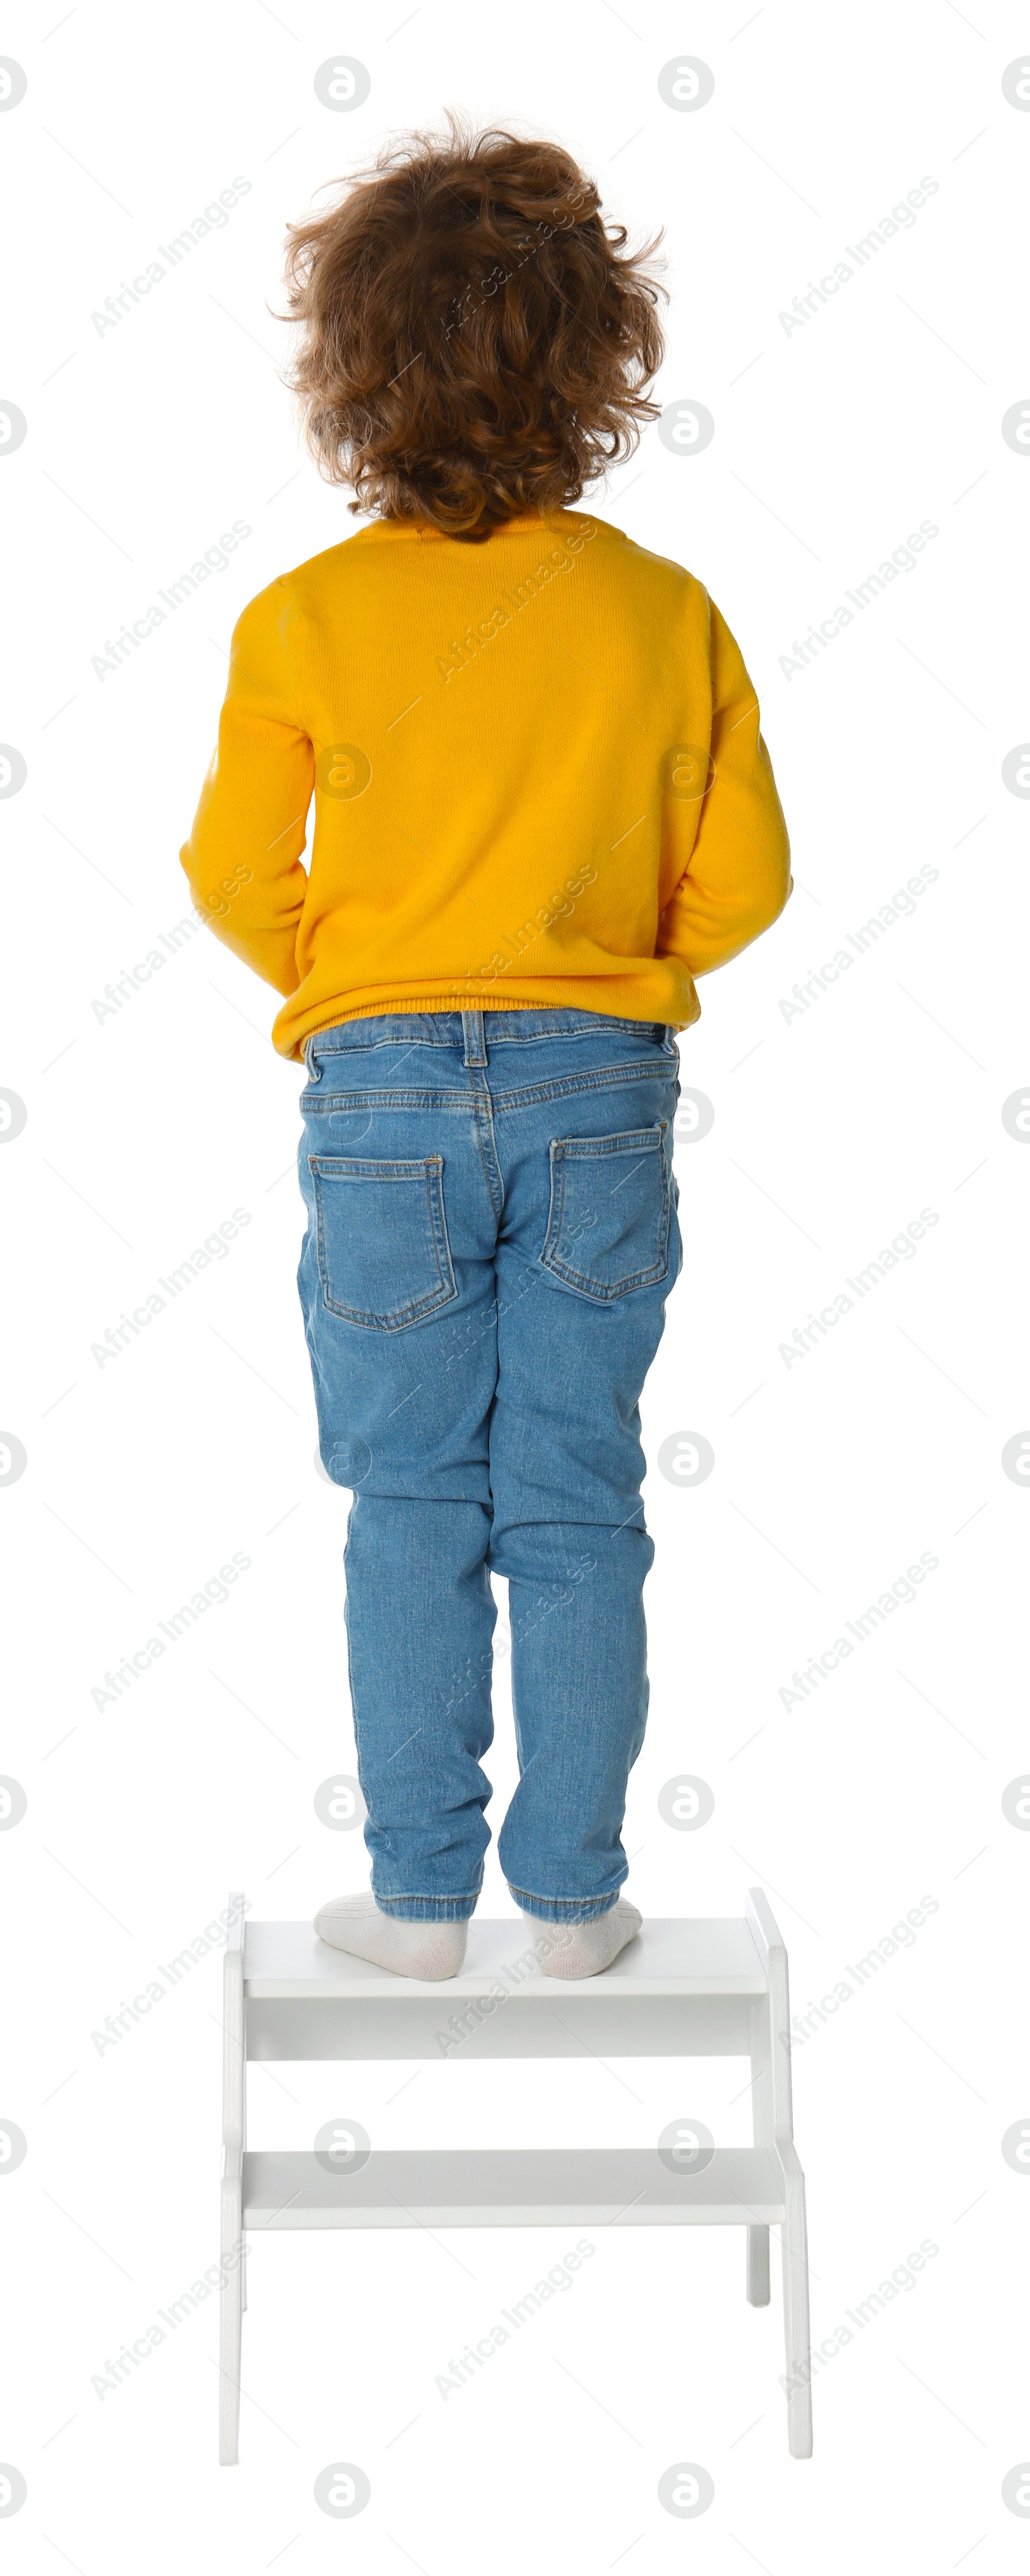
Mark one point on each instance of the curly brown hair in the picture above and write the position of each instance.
(474, 342)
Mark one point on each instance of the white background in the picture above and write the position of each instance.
(833, 1129)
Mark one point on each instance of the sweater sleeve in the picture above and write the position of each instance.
(243, 856)
(737, 878)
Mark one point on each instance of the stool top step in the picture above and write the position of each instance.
(704, 1956)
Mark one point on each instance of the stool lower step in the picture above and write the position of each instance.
(514, 2187)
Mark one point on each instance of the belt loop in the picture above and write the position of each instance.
(475, 1037)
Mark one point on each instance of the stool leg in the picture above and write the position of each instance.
(763, 2131)
(234, 2107)
(243, 2240)
(774, 2129)
(230, 2322)
(795, 2308)
(758, 2266)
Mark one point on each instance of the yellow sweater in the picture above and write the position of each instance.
(537, 771)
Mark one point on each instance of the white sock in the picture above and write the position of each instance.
(584, 1949)
(355, 1923)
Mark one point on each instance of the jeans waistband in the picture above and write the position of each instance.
(476, 1034)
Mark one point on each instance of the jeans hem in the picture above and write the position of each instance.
(562, 1909)
(428, 1909)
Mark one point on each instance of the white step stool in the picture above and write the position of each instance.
(697, 1989)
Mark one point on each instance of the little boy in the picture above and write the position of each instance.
(543, 808)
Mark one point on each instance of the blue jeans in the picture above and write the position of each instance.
(491, 1238)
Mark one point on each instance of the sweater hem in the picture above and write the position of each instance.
(635, 1006)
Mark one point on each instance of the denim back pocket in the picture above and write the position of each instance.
(383, 1255)
(608, 1229)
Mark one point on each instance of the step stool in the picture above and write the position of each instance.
(683, 1989)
